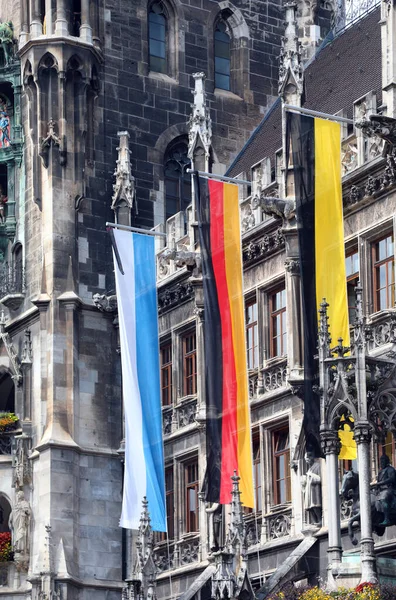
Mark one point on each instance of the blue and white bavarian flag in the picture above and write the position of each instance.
(138, 320)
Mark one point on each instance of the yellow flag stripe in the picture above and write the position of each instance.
(329, 229)
(233, 263)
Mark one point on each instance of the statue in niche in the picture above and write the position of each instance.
(215, 514)
(3, 202)
(312, 486)
(19, 524)
(5, 127)
(7, 41)
(386, 491)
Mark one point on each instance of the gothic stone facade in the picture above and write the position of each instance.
(77, 73)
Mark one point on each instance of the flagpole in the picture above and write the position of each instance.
(219, 177)
(315, 113)
(135, 229)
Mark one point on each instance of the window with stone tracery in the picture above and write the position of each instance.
(157, 32)
(177, 180)
(222, 54)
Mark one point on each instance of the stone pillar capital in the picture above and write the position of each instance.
(330, 441)
(362, 432)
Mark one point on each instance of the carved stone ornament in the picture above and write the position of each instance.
(182, 257)
(105, 303)
(124, 187)
(53, 139)
(362, 433)
(291, 73)
(275, 207)
(172, 296)
(292, 266)
(381, 126)
(11, 352)
(200, 123)
(265, 246)
(330, 442)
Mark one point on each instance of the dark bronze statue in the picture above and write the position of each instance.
(383, 498)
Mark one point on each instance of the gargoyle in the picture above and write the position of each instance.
(276, 207)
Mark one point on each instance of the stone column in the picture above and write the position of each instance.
(23, 36)
(331, 447)
(61, 25)
(85, 29)
(36, 25)
(292, 266)
(362, 434)
(49, 26)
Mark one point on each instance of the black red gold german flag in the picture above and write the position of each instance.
(228, 434)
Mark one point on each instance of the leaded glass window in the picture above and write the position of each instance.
(157, 38)
(222, 52)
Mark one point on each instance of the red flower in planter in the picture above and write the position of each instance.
(5, 546)
(364, 584)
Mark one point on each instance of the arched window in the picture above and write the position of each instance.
(7, 393)
(222, 53)
(177, 180)
(157, 33)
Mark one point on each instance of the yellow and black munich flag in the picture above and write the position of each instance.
(316, 153)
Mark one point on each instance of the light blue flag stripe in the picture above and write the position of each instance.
(148, 371)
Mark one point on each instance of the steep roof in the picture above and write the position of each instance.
(344, 69)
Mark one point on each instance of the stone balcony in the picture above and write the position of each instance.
(268, 379)
(12, 285)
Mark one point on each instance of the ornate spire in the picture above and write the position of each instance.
(290, 65)
(200, 123)
(324, 334)
(123, 199)
(142, 583)
(236, 536)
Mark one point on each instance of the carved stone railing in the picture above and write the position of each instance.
(7, 441)
(278, 525)
(381, 329)
(179, 233)
(250, 217)
(274, 376)
(177, 553)
(181, 415)
(188, 551)
(163, 556)
(253, 524)
(345, 508)
(349, 154)
(268, 379)
(253, 383)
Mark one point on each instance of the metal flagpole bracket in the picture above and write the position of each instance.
(315, 113)
(135, 229)
(219, 177)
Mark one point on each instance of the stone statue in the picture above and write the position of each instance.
(215, 514)
(4, 129)
(7, 41)
(19, 524)
(386, 490)
(3, 202)
(312, 487)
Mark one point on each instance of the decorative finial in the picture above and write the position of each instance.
(324, 334)
(200, 123)
(290, 63)
(124, 187)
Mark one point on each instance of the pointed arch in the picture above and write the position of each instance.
(231, 40)
(162, 37)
